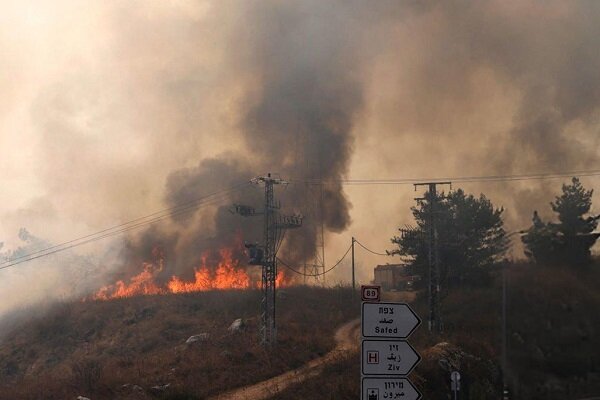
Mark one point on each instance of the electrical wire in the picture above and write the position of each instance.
(456, 179)
(369, 250)
(182, 206)
(181, 209)
(217, 196)
(279, 240)
(320, 273)
(93, 239)
(123, 227)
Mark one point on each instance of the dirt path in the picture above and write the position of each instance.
(346, 338)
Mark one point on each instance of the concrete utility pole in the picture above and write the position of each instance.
(267, 257)
(434, 322)
(315, 268)
(353, 276)
(504, 361)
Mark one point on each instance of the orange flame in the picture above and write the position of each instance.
(227, 275)
(142, 283)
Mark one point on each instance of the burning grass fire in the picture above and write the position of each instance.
(227, 274)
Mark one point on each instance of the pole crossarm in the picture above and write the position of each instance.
(270, 179)
(244, 210)
(432, 183)
(289, 221)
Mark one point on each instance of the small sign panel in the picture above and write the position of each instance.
(388, 320)
(455, 381)
(370, 293)
(388, 357)
(455, 376)
(388, 388)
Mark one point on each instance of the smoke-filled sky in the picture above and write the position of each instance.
(114, 109)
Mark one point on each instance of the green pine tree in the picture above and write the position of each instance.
(470, 234)
(569, 241)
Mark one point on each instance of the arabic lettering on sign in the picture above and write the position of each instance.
(393, 356)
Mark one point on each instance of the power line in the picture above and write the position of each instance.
(321, 273)
(369, 250)
(181, 209)
(206, 200)
(28, 257)
(172, 211)
(464, 179)
(123, 227)
(334, 266)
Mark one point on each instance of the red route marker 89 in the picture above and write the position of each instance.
(370, 294)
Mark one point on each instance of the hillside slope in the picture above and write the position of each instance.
(132, 348)
(553, 340)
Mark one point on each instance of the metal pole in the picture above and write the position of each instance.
(269, 270)
(432, 261)
(273, 222)
(353, 276)
(305, 276)
(322, 243)
(504, 358)
(433, 256)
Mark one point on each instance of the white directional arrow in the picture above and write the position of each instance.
(389, 320)
(388, 357)
(388, 388)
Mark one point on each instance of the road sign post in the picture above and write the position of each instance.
(455, 384)
(386, 359)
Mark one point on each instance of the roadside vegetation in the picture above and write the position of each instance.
(553, 336)
(553, 328)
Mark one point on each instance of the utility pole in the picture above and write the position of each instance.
(504, 359)
(353, 278)
(269, 270)
(315, 268)
(504, 362)
(434, 322)
(266, 255)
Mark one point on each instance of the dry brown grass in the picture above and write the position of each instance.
(554, 336)
(102, 349)
(339, 381)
